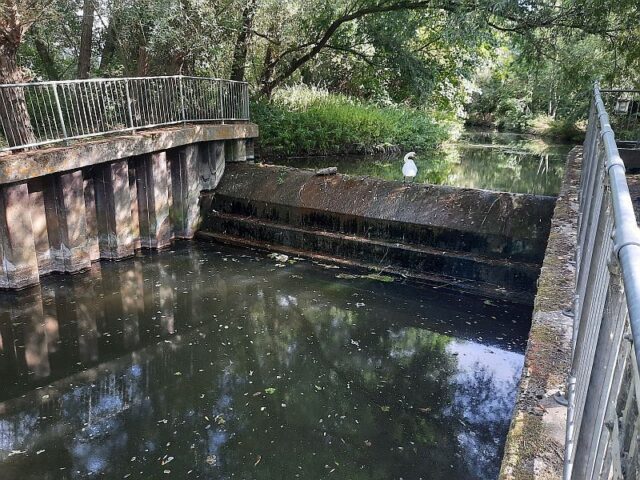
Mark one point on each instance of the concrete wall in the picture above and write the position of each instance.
(62, 208)
(479, 240)
(535, 443)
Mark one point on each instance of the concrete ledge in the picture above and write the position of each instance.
(22, 166)
(495, 224)
(535, 443)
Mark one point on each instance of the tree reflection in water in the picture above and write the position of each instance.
(486, 160)
(219, 363)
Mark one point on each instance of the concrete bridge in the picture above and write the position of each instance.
(62, 208)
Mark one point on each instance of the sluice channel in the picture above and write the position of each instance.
(206, 361)
(170, 309)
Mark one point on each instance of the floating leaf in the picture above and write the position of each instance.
(379, 277)
(270, 390)
(346, 276)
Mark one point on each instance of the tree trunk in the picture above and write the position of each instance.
(242, 42)
(142, 61)
(14, 115)
(266, 79)
(48, 63)
(109, 48)
(86, 39)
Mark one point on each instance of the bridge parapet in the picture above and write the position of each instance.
(603, 424)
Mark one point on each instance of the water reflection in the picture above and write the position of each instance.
(216, 363)
(487, 160)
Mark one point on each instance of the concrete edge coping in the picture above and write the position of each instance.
(22, 166)
(536, 438)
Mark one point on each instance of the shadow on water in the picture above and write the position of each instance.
(487, 160)
(211, 362)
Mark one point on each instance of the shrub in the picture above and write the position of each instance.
(563, 129)
(302, 121)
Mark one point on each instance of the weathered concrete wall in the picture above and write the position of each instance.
(37, 163)
(500, 225)
(535, 444)
(479, 240)
(62, 208)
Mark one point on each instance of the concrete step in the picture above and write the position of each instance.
(498, 277)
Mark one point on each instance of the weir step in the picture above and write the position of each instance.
(496, 277)
(493, 224)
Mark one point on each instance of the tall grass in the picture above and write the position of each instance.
(302, 121)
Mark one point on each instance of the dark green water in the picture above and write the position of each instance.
(210, 362)
(487, 160)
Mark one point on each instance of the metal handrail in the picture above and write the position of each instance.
(41, 113)
(604, 383)
(627, 233)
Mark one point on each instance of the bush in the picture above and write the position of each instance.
(301, 121)
(563, 129)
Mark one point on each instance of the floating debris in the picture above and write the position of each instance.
(279, 257)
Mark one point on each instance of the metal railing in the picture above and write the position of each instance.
(604, 386)
(41, 113)
(623, 107)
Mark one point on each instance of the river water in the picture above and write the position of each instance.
(212, 362)
(479, 159)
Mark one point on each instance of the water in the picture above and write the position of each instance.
(488, 160)
(212, 362)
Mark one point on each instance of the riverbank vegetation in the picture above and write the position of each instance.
(301, 121)
(392, 71)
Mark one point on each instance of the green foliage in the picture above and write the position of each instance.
(304, 121)
(509, 64)
(561, 128)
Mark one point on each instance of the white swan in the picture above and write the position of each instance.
(409, 169)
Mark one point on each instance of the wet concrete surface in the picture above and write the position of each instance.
(489, 241)
(213, 362)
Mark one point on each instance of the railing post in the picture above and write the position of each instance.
(184, 112)
(129, 109)
(222, 109)
(245, 98)
(59, 108)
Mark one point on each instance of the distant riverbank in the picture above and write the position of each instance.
(302, 121)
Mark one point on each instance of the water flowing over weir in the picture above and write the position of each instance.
(382, 337)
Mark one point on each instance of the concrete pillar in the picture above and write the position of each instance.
(211, 163)
(19, 263)
(236, 150)
(153, 188)
(251, 150)
(185, 191)
(113, 209)
(134, 166)
(66, 221)
(92, 220)
(39, 225)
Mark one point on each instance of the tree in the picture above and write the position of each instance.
(86, 39)
(241, 47)
(15, 19)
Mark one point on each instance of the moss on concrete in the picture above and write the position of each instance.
(535, 443)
